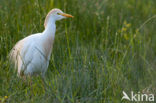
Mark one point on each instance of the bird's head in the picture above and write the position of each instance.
(56, 14)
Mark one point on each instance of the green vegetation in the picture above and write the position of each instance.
(109, 46)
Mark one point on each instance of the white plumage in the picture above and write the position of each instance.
(31, 55)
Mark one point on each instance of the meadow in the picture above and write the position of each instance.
(107, 48)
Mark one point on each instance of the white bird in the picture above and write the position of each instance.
(31, 55)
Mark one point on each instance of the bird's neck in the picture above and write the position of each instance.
(50, 28)
(48, 36)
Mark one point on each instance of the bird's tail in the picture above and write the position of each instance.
(15, 60)
(13, 57)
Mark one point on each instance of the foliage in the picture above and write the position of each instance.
(109, 46)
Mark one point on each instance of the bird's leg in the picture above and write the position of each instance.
(30, 85)
(24, 78)
(29, 80)
(44, 84)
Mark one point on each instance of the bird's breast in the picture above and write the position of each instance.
(47, 47)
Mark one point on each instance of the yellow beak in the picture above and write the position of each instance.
(66, 15)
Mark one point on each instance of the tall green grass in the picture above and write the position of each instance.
(109, 46)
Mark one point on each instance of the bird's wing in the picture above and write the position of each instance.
(22, 53)
(15, 52)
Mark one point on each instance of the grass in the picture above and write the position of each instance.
(109, 46)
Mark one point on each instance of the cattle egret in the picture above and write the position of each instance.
(31, 55)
